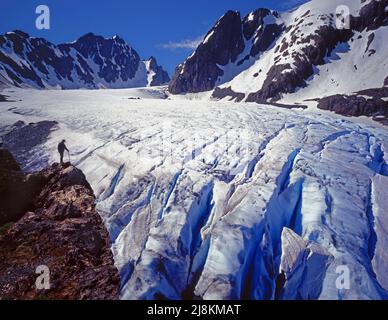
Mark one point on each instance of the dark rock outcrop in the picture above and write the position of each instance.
(372, 16)
(222, 45)
(375, 92)
(221, 93)
(17, 190)
(261, 33)
(60, 229)
(358, 104)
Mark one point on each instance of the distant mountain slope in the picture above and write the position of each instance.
(291, 57)
(90, 62)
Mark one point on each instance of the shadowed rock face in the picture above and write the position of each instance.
(160, 76)
(222, 45)
(261, 33)
(373, 15)
(200, 71)
(17, 190)
(60, 229)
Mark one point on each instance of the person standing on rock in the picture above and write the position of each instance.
(61, 149)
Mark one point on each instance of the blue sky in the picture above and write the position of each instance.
(166, 29)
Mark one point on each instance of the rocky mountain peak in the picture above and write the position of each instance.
(224, 41)
(18, 33)
(118, 39)
(158, 76)
(223, 45)
(153, 62)
(253, 20)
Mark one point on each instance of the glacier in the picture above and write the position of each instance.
(221, 200)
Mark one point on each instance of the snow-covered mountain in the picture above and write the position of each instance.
(89, 62)
(295, 56)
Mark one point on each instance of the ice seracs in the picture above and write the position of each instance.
(221, 200)
(302, 267)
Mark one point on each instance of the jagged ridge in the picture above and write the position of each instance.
(89, 62)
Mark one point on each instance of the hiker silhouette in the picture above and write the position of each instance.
(61, 149)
